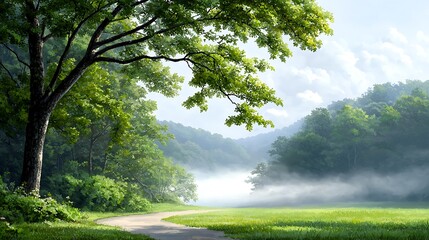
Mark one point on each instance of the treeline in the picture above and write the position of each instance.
(384, 131)
(101, 151)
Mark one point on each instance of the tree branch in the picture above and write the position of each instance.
(70, 40)
(119, 36)
(97, 33)
(7, 71)
(147, 37)
(138, 58)
(136, 41)
(16, 55)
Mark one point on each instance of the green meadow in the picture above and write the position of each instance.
(314, 223)
(363, 221)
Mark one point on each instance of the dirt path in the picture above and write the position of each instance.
(155, 227)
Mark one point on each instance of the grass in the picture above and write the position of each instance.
(83, 229)
(314, 223)
(355, 222)
(73, 231)
(156, 207)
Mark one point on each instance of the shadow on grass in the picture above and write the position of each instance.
(76, 231)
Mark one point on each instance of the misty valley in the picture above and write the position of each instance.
(356, 155)
(215, 120)
(373, 148)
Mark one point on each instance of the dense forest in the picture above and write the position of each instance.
(100, 151)
(385, 131)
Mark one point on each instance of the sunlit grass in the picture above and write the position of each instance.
(326, 223)
(73, 231)
(156, 207)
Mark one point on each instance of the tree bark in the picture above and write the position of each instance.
(37, 126)
(38, 112)
(90, 164)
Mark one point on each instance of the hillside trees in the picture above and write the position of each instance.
(344, 139)
(140, 35)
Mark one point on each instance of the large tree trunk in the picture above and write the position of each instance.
(33, 152)
(38, 112)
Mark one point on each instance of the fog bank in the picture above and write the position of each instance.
(229, 189)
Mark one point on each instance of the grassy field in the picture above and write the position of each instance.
(315, 223)
(83, 229)
(347, 222)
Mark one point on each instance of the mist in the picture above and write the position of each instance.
(229, 189)
(226, 188)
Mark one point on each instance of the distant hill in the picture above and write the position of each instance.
(198, 149)
(259, 145)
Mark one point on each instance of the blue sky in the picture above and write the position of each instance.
(374, 41)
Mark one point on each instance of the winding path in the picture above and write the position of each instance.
(155, 227)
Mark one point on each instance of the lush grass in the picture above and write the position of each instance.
(157, 207)
(313, 223)
(83, 229)
(74, 231)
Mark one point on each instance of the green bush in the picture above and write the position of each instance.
(99, 193)
(17, 206)
(134, 202)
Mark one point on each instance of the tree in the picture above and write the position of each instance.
(319, 122)
(139, 35)
(350, 129)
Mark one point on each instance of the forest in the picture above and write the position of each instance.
(383, 132)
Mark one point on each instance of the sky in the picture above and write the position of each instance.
(374, 41)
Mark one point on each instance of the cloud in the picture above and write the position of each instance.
(277, 112)
(310, 96)
(397, 36)
(312, 75)
(422, 37)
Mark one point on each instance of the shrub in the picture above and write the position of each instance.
(134, 202)
(17, 206)
(99, 193)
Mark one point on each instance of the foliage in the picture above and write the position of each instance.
(328, 223)
(109, 130)
(159, 178)
(99, 193)
(17, 206)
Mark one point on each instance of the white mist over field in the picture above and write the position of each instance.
(222, 189)
(229, 189)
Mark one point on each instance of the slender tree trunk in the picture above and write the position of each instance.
(105, 162)
(90, 164)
